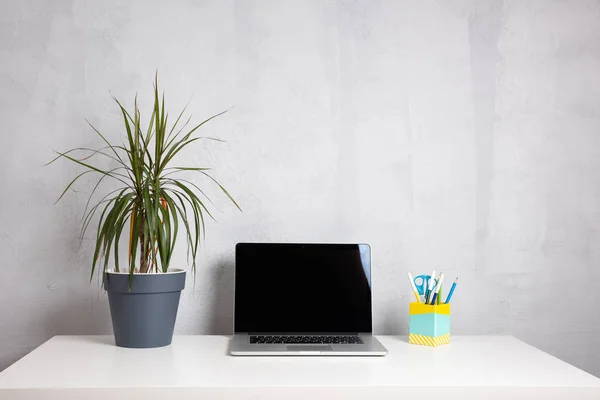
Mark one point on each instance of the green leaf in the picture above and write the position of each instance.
(223, 189)
(111, 224)
(88, 217)
(177, 120)
(188, 169)
(94, 191)
(183, 211)
(134, 245)
(120, 224)
(150, 222)
(92, 167)
(187, 135)
(194, 197)
(170, 182)
(93, 153)
(195, 201)
(99, 237)
(163, 233)
(198, 225)
(175, 217)
(105, 141)
(177, 146)
(71, 184)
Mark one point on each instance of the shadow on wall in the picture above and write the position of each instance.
(221, 277)
(91, 317)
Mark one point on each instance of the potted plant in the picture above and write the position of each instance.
(152, 205)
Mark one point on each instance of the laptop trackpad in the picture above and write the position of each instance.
(308, 347)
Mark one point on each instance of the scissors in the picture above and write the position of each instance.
(422, 283)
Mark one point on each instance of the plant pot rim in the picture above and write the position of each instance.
(169, 272)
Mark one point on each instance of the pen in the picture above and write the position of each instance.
(414, 288)
(437, 288)
(429, 287)
(451, 291)
(439, 296)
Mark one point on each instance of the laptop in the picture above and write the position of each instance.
(303, 299)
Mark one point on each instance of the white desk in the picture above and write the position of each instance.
(471, 367)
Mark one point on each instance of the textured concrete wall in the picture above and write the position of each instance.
(457, 135)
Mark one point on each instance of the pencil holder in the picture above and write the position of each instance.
(429, 325)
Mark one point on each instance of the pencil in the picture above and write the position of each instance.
(451, 291)
(414, 288)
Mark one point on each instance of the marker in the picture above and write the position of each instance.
(451, 291)
(429, 287)
(415, 291)
(439, 296)
(437, 288)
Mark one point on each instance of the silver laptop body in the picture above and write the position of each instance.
(298, 299)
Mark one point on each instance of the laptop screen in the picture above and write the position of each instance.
(302, 288)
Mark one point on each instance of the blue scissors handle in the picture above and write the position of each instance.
(422, 283)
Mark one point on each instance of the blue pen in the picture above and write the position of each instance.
(437, 289)
(451, 291)
(434, 299)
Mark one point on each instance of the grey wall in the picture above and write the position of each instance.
(460, 135)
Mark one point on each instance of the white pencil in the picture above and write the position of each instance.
(415, 291)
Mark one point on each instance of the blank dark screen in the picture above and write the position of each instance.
(302, 288)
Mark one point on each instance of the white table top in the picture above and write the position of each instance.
(92, 367)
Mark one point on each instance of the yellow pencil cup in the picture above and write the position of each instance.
(429, 325)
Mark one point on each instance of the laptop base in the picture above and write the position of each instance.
(241, 346)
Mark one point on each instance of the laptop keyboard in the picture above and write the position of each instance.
(300, 339)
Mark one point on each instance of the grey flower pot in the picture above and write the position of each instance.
(144, 316)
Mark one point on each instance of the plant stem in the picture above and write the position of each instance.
(143, 246)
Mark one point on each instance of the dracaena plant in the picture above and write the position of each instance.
(152, 200)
